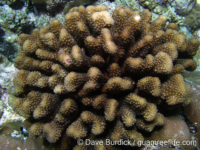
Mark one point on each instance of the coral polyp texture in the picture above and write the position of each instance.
(101, 77)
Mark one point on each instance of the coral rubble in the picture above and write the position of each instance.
(183, 7)
(75, 3)
(168, 8)
(192, 110)
(101, 77)
(7, 73)
(15, 20)
(192, 19)
(8, 2)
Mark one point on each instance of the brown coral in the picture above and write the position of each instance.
(98, 77)
(174, 90)
(150, 84)
(149, 126)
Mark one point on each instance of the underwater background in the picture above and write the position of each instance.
(74, 74)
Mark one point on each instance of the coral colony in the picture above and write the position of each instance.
(100, 77)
